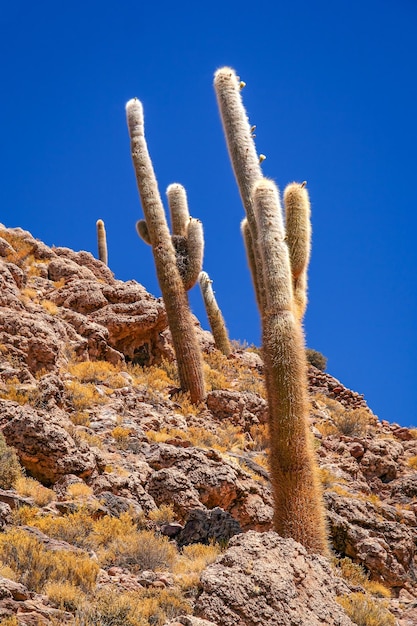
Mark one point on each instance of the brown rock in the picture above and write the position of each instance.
(44, 447)
(264, 579)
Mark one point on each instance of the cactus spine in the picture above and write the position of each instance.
(214, 314)
(298, 505)
(102, 242)
(184, 338)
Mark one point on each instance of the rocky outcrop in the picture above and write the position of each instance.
(192, 478)
(136, 447)
(43, 445)
(71, 302)
(264, 579)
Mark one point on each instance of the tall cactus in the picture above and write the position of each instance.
(101, 242)
(298, 504)
(214, 314)
(187, 351)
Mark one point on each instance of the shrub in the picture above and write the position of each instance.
(15, 391)
(193, 559)
(31, 488)
(141, 608)
(73, 528)
(121, 436)
(349, 422)
(35, 565)
(142, 551)
(412, 462)
(364, 611)
(316, 358)
(50, 307)
(9, 621)
(83, 396)
(79, 491)
(163, 515)
(64, 595)
(353, 423)
(10, 469)
(97, 372)
(351, 572)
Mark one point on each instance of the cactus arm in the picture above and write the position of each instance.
(298, 228)
(189, 360)
(102, 242)
(250, 255)
(178, 207)
(195, 253)
(299, 511)
(142, 231)
(214, 314)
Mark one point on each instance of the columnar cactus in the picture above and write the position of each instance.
(101, 241)
(184, 338)
(187, 236)
(298, 505)
(214, 314)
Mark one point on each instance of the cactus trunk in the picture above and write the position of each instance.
(187, 351)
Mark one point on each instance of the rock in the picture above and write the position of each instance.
(243, 408)
(380, 459)
(44, 447)
(196, 478)
(358, 530)
(5, 514)
(203, 525)
(265, 579)
(11, 589)
(190, 620)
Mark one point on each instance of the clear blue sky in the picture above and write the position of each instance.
(332, 89)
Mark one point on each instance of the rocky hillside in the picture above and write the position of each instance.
(122, 503)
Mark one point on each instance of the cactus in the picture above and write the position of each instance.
(187, 351)
(187, 236)
(102, 242)
(214, 314)
(298, 503)
(298, 229)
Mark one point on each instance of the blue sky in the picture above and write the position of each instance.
(332, 89)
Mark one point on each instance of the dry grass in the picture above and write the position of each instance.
(121, 436)
(140, 608)
(193, 559)
(10, 469)
(83, 396)
(31, 488)
(363, 610)
(349, 422)
(97, 372)
(412, 462)
(79, 492)
(227, 437)
(224, 373)
(65, 595)
(34, 565)
(115, 540)
(15, 391)
(9, 621)
(49, 306)
(163, 515)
